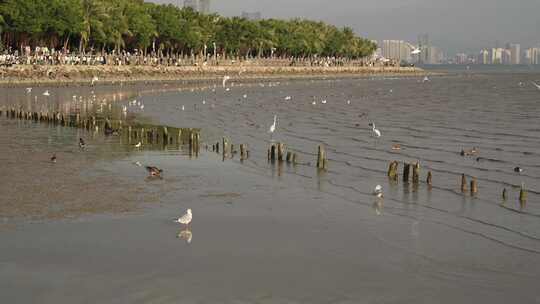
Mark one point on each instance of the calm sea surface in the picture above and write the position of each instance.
(92, 226)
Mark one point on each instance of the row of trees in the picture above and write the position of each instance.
(116, 25)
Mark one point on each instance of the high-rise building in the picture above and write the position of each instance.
(515, 53)
(506, 56)
(397, 50)
(252, 15)
(496, 56)
(483, 57)
(192, 4)
(204, 6)
(461, 58)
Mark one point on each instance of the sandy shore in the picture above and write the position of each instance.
(71, 75)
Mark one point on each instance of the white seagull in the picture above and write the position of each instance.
(225, 78)
(138, 145)
(183, 108)
(28, 90)
(414, 49)
(46, 93)
(536, 85)
(376, 132)
(273, 126)
(186, 218)
(323, 101)
(288, 97)
(94, 80)
(378, 191)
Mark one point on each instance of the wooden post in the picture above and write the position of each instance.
(273, 153)
(463, 183)
(294, 158)
(242, 152)
(474, 186)
(289, 156)
(504, 194)
(406, 172)
(416, 173)
(321, 158)
(280, 148)
(429, 178)
(393, 170)
(224, 148)
(522, 194)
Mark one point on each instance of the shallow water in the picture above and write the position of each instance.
(267, 232)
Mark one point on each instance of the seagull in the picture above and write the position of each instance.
(323, 101)
(46, 93)
(138, 164)
(154, 171)
(348, 102)
(426, 79)
(378, 191)
(138, 145)
(183, 108)
(185, 219)
(53, 158)
(273, 126)
(225, 78)
(204, 102)
(245, 96)
(82, 144)
(94, 80)
(227, 89)
(414, 49)
(376, 132)
(518, 169)
(536, 85)
(28, 90)
(288, 97)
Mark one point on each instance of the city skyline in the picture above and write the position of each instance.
(457, 26)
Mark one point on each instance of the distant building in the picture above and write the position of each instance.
(204, 6)
(515, 53)
(397, 50)
(201, 6)
(532, 56)
(506, 56)
(433, 55)
(252, 15)
(496, 55)
(192, 4)
(483, 57)
(461, 58)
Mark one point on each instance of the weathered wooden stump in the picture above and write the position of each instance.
(463, 183)
(273, 153)
(504, 194)
(243, 154)
(289, 157)
(429, 179)
(522, 195)
(474, 186)
(322, 162)
(416, 173)
(294, 159)
(393, 170)
(280, 151)
(406, 172)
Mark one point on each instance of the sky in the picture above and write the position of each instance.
(453, 25)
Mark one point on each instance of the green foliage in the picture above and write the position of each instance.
(134, 24)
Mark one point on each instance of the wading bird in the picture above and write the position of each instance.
(154, 171)
(46, 93)
(375, 131)
(273, 127)
(82, 144)
(378, 191)
(186, 218)
(225, 79)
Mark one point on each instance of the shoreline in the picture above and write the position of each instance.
(65, 75)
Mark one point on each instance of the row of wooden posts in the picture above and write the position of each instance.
(393, 175)
(227, 149)
(131, 134)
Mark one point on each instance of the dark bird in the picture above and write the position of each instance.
(53, 158)
(110, 131)
(518, 169)
(154, 171)
(82, 144)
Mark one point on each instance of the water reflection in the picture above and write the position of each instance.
(185, 235)
(378, 205)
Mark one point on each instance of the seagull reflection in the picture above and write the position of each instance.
(185, 235)
(378, 205)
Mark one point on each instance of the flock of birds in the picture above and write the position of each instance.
(188, 216)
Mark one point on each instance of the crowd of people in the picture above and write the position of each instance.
(46, 56)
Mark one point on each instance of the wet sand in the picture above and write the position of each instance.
(270, 233)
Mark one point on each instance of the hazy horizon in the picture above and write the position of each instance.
(457, 26)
